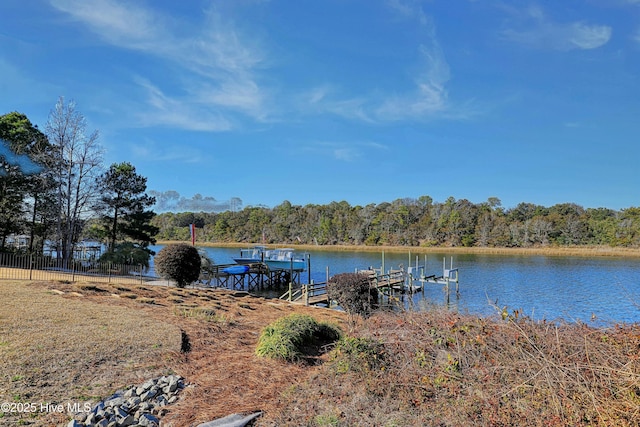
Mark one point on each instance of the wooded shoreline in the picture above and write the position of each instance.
(579, 251)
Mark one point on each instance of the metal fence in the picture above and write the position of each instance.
(29, 267)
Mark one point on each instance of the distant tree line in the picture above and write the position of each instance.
(412, 222)
(66, 194)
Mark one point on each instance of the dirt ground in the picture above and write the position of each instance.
(63, 343)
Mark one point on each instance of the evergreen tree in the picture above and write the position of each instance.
(25, 181)
(125, 204)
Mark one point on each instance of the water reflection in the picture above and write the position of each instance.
(542, 287)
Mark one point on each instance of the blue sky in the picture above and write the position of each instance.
(358, 100)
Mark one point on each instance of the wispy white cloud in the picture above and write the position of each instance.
(181, 113)
(346, 154)
(327, 98)
(426, 97)
(182, 153)
(430, 96)
(216, 64)
(124, 25)
(218, 70)
(344, 151)
(409, 9)
(538, 31)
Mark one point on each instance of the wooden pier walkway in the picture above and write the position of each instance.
(316, 293)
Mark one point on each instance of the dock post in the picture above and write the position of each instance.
(447, 290)
(290, 291)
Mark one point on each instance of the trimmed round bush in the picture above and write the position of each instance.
(178, 262)
(353, 292)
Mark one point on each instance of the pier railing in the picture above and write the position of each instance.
(316, 293)
(309, 294)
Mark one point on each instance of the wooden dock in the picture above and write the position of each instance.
(316, 293)
(308, 294)
(258, 277)
(394, 279)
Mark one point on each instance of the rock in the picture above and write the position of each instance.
(115, 400)
(148, 420)
(148, 395)
(161, 400)
(146, 406)
(127, 421)
(98, 407)
(74, 423)
(130, 393)
(148, 384)
(90, 419)
(120, 412)
(140, 405)
(133, 404)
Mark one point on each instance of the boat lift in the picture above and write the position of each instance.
(416, 274)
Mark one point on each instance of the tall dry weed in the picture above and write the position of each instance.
(444, 368)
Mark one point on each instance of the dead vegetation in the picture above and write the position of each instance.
(57, 348)
(445, 369)
(64, 342)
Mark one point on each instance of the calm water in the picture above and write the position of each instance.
(543, 287)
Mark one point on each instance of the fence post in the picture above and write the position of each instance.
(30, 266)
(73, 271)
(109, 272)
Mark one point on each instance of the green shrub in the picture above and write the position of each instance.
(353, 292)
(292, 337)
(127, 253)
(178, 262)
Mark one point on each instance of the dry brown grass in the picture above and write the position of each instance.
(445, 369)
(58, 347)
(64, 342)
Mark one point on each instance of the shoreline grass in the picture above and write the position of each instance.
(577, 251)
